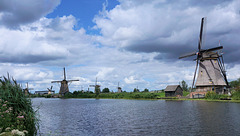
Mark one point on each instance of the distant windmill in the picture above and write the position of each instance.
(26, 90)
(50, 91)
(97, 87)
(211, 72)
(119, 88)
(64, 84)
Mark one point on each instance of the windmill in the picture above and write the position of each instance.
(119, 88)
(210, 65)
(26, 90)
(50, 91)
(64, 84)
(97, 87)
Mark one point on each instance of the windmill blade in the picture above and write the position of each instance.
(212, 49)
(187, 55)
(64, 74)
(56, 81)
(72, 80)
(200, 35)
(222, 68)
(195, 73)
(51, 87)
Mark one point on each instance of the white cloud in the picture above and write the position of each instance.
(136, 36)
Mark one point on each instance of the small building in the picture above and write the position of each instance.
(44, 92)
(173, 90)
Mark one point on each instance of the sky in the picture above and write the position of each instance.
(134, 42)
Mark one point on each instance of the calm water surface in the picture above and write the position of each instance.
(113, 117)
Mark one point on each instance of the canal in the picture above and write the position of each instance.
(113, 117)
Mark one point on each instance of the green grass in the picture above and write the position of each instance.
(185, 93)
(123, 95)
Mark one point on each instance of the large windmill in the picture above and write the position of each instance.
(210, 65)
(64, 84)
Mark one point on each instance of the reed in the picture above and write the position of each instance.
(20, 115)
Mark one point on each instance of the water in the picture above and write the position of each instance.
(113, 117)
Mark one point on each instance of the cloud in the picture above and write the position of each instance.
(170, 28)
(138, 45)
(15, 13)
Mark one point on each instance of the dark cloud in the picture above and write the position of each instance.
(15, 13)
(28, 58)
(222, 24)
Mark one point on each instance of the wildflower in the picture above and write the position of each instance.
(20, 117)
(4, 104)
(7, 129)
(25, 131)
(17, 132)
(3, 134)
(10, 108)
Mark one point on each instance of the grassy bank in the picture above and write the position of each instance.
(123, 95)
(17, 114)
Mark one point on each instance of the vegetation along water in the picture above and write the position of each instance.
(17, 117)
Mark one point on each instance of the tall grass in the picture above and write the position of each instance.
(20, 115)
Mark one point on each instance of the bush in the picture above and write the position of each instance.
(236, 95)
(212, 95)
(16, 109)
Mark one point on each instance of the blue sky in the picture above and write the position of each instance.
(83, 10)
(134, 42)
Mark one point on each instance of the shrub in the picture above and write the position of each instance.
(212, 95)
(16, 108)
(236, 95)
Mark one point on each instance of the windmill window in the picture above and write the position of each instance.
(201, 72)
(215, 61)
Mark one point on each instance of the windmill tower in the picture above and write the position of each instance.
(64, 84)
(119, 88)
(211, 70)
(97, 87)
(26, 90)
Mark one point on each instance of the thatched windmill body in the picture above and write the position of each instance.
(64, 84)
(210, 65)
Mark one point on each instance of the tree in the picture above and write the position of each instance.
(235, 84)
(145, 90)
(135, 90)
(184, 85)
(105, 90)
